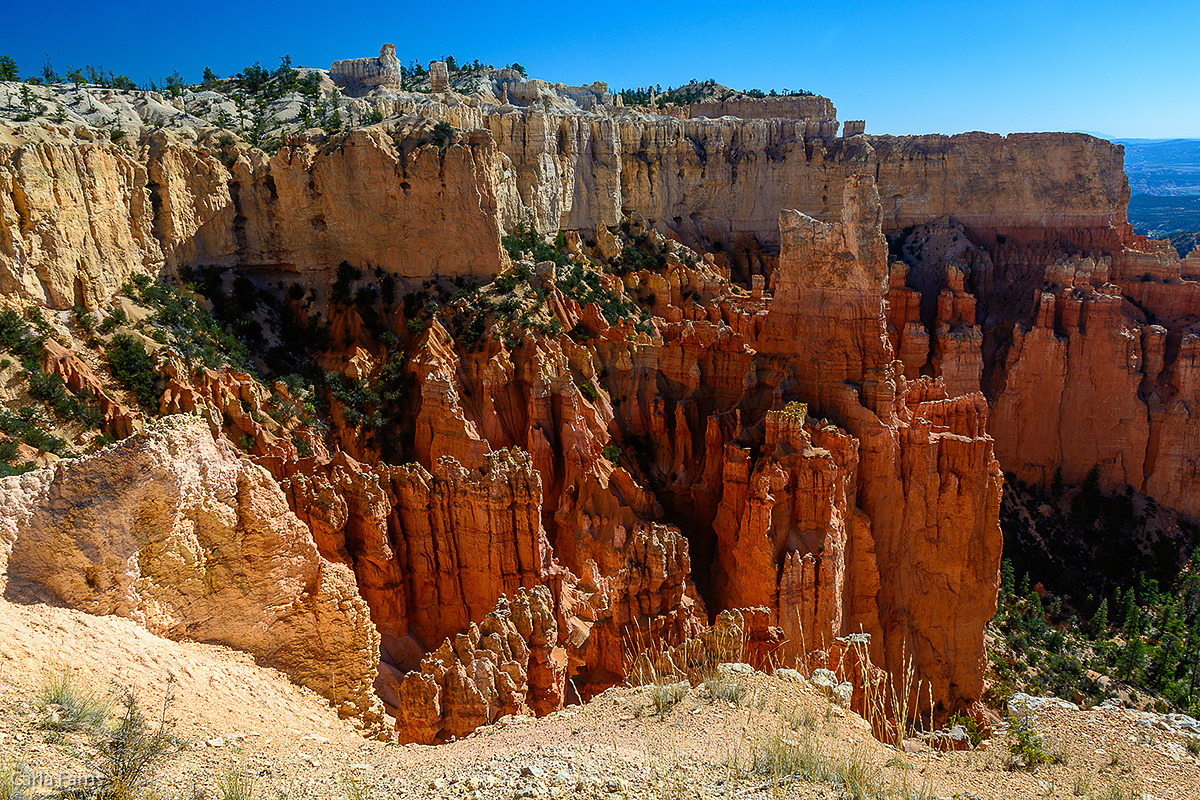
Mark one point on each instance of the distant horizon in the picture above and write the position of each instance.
(920, 67)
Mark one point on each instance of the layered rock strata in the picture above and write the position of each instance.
(816, 446)
(847, 523)
(78, 216)
(510, 663)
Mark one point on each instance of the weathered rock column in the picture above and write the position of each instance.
(439, 76)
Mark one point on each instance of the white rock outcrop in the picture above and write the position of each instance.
(176, 531)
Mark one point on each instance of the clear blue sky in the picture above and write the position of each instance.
(1127, 69)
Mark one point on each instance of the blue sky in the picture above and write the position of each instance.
(1125, 69)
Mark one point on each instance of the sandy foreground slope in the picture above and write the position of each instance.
(236, 717)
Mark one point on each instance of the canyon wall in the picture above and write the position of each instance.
(917, 503)
(79, 215)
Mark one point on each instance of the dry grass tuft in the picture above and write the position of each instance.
(65, 704)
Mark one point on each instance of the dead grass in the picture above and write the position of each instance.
(65, 704)
(667, 695)
(234, 784)
(725, 686)
(11, 786)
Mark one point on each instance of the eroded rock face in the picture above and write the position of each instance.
(78, 218)
(75, 220)
(1102, 378)
(433, 552)
(510, 663)
(174, 530)
(364, 74)
(926, 479)
(167, 202)
(815, 447)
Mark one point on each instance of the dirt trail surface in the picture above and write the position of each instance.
(235, 717)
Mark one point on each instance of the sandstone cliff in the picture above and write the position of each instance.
(78, 216)
(924, 474)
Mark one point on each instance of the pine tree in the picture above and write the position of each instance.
(1007, 581)
(1131, 662)
(8, 69)
(1129, 612)
(1099, 621)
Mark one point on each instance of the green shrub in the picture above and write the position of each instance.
(612, 453)
(51, 390)
(527, 240)
(112, 320)
(132, 366)
(84, 318)
(968, 722)
(442, 135)
(590, 393)
(506, 283)
(18, 338)
(24, 425)
(1025, 745)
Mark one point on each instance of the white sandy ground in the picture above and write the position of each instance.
(233, 715)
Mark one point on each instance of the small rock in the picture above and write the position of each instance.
(216, 741)
(735, 668)
(790, 675)
(825, 680)
(1020, 701)
(437, 784)
(532, 772)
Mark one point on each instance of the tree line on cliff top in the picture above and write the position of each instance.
(254, 78)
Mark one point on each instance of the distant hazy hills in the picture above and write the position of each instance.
(1164, 177)
(1162, 166)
